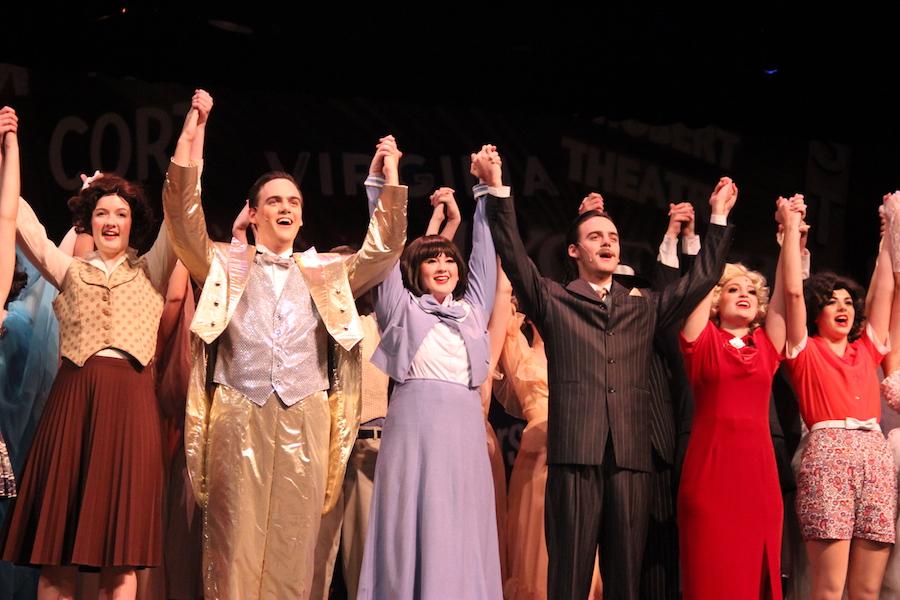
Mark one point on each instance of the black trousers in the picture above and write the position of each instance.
(659, 572)
(587, 505)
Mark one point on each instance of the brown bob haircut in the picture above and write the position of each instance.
(82, 206)
(420, 250)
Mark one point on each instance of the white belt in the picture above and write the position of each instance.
(848, 423)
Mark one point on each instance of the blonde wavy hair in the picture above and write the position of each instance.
(731, 271)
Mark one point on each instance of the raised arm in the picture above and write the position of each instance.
(241, 223)
(667, 267)
(386, 234)
(203, 104)
(681, 223)
(892, 359)
(486, 165)
(881, 288)
(500, 316)
(593, 201)
(181, 195)
(786, 317)
(9, 200)
(445, 207)
(697, 320)
(30, 235)
(681, 298)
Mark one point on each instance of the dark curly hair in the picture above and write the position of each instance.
(817, 291)
(82, 206)
(420, 250)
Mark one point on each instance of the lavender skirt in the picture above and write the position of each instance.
(432, 528)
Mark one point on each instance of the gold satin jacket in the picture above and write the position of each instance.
(333, 282)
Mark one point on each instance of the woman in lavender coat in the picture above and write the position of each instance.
(432, 529)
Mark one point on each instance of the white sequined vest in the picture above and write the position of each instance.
(273, 343)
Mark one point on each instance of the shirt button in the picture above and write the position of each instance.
(107, 312)
(218, 283)
(107, 341)
(106, 325)
(611, 361)
(215, 303)
(609, 333)
(611, 390)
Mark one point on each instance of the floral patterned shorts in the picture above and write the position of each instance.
(847, 486)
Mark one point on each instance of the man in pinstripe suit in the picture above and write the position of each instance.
(598, 336)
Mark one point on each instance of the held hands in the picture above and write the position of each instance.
(201, 105)
(9, 124)
(791, 212)
(723, 197)
(681, 219)
(444, 201)
(386, 161)
(487, 166)
(891, 204)
(890, 211)
(592, 201)
(202, 102)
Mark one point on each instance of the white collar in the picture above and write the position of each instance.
(597, 288)
(285, 254)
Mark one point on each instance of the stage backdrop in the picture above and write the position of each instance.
(75, 122)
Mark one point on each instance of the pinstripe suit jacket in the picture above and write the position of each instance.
(599, 368)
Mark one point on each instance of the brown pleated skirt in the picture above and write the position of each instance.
(91, 492)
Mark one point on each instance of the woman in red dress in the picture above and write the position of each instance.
(729, 501)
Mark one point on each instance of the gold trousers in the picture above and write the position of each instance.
(266, 472)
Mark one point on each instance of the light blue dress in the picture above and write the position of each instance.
(432, 531)
(29, 358)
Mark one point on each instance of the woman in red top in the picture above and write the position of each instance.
(729, 501)
(846, 486)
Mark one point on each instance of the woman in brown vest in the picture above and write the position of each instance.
(91, 492)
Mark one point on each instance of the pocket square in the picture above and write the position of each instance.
(635, 292)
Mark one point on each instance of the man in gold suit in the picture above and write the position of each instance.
(267, 434)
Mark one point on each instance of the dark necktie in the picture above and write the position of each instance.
(604, 298)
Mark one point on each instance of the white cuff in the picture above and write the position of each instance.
(883, 348)
(690, 244)
(375, 181)
(499, 192)
(791, 352)
(668, 254)
(718, 220)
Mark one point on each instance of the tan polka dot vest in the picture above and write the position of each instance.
(121, 313)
